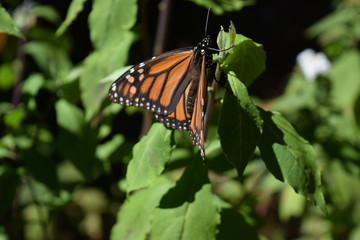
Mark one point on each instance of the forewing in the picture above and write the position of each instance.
(156, 84)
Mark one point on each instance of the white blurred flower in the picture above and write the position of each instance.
(312, 64)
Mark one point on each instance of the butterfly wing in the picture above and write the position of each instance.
(189, 112)
(173, 86)
(197, 131)
(156, 84)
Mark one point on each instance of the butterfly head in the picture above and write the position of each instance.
(202, 50)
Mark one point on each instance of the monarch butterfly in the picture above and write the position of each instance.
(173, 85)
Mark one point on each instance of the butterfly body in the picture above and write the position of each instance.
(173, 86)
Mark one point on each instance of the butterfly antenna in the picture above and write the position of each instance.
(207, 20)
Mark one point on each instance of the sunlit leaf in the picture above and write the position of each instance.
(98, 65)
(33, 84)
(106, 149)
(345, 79)
(188, 210)
(149, 157)
(114, 18)
(69, 116)
(247, 60)
(135, 216)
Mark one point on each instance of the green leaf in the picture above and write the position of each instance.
(111, 151)
(225, 40)
(343, 175)
(112, 48)
(103, 151)
(110, 20)
(7, 25)
(77, 140)
(299, 94)
(222, 39)
(15, 117)
(46, 12)
(345, 79)
(149, 157)
(240, 125)
(188, 210)
(135, 215)
(69, 116)
(50, 58)
(222, 6)
(7, 76)
(247, 60)
(336, 25)
(76, 6)
(98, 65)
(290, 158)
(33, 84)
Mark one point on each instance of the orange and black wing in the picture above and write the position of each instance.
(197, 129)
(156, 84)
(172, 85)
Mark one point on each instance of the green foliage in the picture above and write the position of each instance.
(240, 125)
(290, 158)
(149, 158)
(339, 30)
(222, 6)
(247, 60)
(75, 8)
(327, 112)
(7, 25)
(64, 163)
